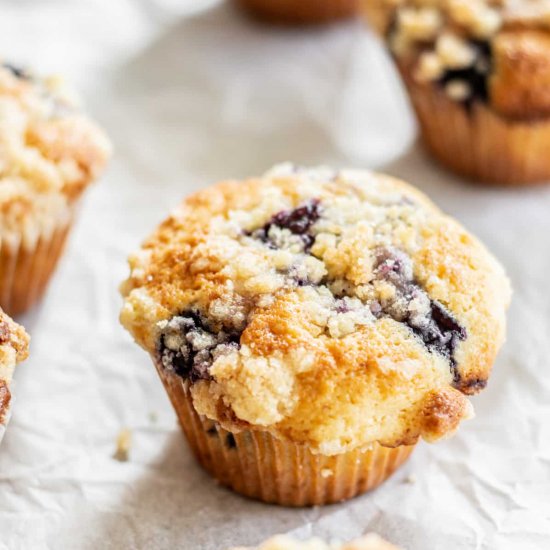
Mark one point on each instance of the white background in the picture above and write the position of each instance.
(187, 98)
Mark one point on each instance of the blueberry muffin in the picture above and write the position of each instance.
(49, 153)
(303, 12)
(14, 347)
(478, 74)
(281, 542)
(311, 325)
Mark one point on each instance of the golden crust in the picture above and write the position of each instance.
(520, 82)
(14, 346)
(49, 152)
(312, 366)
(366, 542)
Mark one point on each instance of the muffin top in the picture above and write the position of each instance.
(335, 309)
(281, 542)
(494, 51)
(49, 151)
(14, 347)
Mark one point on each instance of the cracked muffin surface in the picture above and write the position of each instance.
(493, 51)
(334, 309)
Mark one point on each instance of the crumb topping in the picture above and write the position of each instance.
(49, 151)
(275, 294)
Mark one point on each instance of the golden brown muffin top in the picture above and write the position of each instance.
(335, 309)
(14, 348)
(282, 542)
(496, 51)
(49, 150)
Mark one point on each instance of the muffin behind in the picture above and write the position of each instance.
(478, 75)
(49, 153)
(303, 12)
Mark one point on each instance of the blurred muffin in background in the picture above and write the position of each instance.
(14, 348)
(478, 74)
(282, 542)
(311, 325)
(300, 12)
(49, 154)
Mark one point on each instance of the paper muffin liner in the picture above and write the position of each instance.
(305, 11)
(476, 142)
(26, 267)
(260, 466)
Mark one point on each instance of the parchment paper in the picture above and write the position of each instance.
(189, 96)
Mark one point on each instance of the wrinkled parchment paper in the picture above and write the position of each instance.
(190, 96)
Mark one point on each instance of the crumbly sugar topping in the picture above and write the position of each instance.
(307, 283)
(49, 151)
(451, 42)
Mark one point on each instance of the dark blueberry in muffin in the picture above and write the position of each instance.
(471, 386)
(475, 75)
(298, 221)
(230, 441)
(427, 318)
(188, 347)
(442, 333)
(16, 71)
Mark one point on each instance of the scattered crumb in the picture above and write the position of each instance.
(411, 478)
(326, 472)
(153, 417)
(123, 443)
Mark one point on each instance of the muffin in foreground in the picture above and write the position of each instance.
(303, 12)
(49, 153)
(478, 74)
(310, 326)
(14, 348)
(281, 542)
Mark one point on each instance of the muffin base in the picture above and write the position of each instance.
(259, 466)
(475, 142)
(26, 271)
(303, 12)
